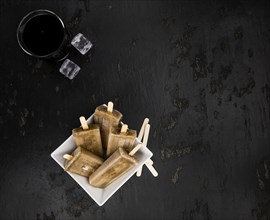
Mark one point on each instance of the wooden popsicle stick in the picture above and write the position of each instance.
(145, 122)
(84, 123)
(146, 134)
(139, 171)
(110, 107)
(150, 161)
(135, 149)
(124, 128)
(151, 169)
(145, 140)
(68, 157)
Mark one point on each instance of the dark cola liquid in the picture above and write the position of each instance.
(43, 34)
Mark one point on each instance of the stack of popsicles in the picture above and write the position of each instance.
(105, 150)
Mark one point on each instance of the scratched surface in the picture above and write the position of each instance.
(198, 69)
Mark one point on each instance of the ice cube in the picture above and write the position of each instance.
(69, 69)
(81, 43)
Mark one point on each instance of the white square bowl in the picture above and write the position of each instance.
(100, 196)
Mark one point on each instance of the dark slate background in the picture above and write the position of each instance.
(198, 69)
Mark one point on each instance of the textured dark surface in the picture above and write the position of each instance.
(198, 69)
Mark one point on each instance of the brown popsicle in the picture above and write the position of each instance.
(115, 166)
(88, 137)
(120, 137)
(82, 162)
(106, 117)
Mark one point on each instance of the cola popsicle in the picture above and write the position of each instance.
(82, 162)
(120, 137)
(88, 137)
(115, 166)
(106, 117)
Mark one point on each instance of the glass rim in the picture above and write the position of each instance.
(20, 29)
